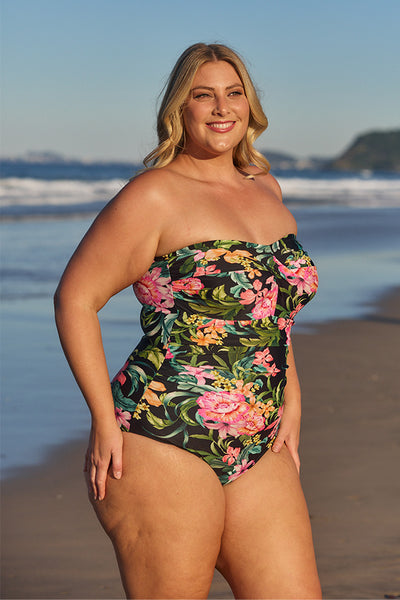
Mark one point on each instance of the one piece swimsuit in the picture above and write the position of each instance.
(209, 373)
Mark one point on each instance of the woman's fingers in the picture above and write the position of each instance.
(98, 477)
(104, 454)
(117, 463)
(279, 441)
(288, 434)
(101, 477)
(92, 481)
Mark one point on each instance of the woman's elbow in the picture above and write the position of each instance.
(71, 300)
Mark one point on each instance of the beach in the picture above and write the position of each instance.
(53, 546)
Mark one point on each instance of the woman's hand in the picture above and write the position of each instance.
(289, 431)
(104, 453)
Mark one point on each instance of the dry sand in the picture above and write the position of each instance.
(53, 546)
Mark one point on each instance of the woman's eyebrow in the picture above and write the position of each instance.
(206, 87)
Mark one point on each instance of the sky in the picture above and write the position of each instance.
(83, 77)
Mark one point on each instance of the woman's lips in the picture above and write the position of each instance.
(221, 126)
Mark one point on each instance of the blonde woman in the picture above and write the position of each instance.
(193, 460)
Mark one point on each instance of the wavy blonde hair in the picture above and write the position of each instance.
(170, 127)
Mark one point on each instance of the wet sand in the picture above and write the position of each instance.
(53, 546)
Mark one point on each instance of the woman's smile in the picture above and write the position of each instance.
(221, 126)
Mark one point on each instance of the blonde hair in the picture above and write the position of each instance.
(170, 127)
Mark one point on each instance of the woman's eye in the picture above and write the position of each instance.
(202, 95)
(236, 93)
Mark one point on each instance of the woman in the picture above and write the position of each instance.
(178, 465)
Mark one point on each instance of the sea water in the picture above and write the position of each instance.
(349, 224)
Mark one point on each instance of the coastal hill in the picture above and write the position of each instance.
(375, 151)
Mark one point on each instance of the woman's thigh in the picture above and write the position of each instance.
(165, 517)
(267, 549)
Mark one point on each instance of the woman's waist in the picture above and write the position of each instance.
(208, 333)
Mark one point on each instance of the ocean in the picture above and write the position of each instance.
(350, 224)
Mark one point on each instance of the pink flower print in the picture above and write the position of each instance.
(231, 414)
(263, 358)
(154, 290)
(168, 354)
(251, 424)
(242, 468)
(275, 424)
(300, 274)
(120, 376)
(287, 323)
(224, 408)
(190, 285)
(209, 270)
(264, 299)
(295, 311)
(123, 417)
(199, 255)
(309, 280)
(231, 455)
(272, 370)
(199, 374)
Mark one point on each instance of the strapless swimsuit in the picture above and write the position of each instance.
(209, 373)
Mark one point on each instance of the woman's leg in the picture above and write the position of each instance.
(267, 549)
(165, 518)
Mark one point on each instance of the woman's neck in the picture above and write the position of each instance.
(218, 169)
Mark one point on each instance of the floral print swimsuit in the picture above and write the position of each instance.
(209, 374)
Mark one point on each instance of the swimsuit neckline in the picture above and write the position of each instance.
(227, 241)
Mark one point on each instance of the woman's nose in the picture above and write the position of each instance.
(221, 106)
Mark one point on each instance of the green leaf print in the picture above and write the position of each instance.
(157, 422)
(156, 357)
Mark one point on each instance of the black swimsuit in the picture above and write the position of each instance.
(209, 374)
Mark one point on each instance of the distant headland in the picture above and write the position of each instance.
(374, 151)
(377, 151)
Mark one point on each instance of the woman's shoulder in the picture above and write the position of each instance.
(153, 187)
(152, 181)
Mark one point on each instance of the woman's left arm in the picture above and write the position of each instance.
(289, 430)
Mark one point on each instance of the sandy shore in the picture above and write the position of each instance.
(53, 547)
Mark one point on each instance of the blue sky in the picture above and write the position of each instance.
(82, 77)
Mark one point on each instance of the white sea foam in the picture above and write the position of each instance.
(368, 191)
(16, 191)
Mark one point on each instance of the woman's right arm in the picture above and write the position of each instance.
(118, 248)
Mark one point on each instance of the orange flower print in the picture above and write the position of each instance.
(190, 285)
(151, 396)
(236, 256)
(204, 339)
(214, 254)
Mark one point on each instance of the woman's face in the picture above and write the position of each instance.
(216, 113)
